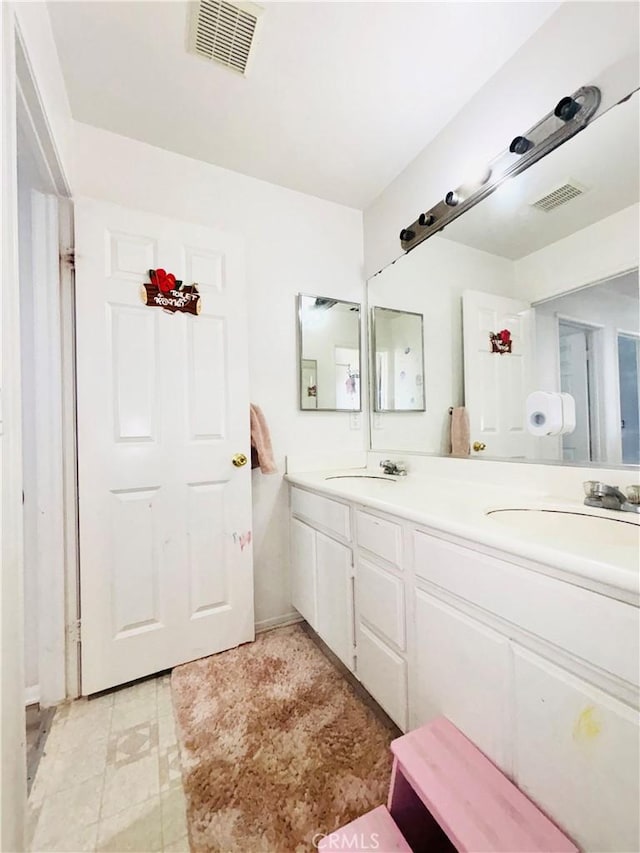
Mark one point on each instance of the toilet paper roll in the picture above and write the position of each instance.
(544, 413)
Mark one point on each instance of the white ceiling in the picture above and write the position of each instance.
(339, 97)
(603, 159)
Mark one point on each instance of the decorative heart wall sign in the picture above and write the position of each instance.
(500, 341)
(164, 290)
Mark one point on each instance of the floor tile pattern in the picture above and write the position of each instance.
(109, 778)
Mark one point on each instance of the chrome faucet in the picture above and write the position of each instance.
(398, 469)
(610, 497)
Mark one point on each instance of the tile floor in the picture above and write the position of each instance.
(109, 778)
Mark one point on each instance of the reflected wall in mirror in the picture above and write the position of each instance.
(328, 354)
(552, 258)
(397, 360)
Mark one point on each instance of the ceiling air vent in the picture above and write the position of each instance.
(561, 195)
(224, 32)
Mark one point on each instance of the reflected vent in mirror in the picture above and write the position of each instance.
(324, 304)
(561, 195)
(224, 32)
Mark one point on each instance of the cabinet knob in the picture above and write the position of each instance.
(239, 460)
(479, 445)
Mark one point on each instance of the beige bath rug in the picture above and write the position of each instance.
(276, 747)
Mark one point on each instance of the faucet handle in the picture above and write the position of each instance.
(395, 468)
(591, 488)
(633, 494)
(598, 489)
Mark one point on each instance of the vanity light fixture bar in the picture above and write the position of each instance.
(571, 115)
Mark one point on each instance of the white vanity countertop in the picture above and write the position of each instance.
(601, 556)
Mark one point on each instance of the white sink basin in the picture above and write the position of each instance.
(569, 526)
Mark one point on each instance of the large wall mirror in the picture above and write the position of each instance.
(551, 260)
(328, 354)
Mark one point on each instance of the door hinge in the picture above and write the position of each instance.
(74, 631)
(68, 257)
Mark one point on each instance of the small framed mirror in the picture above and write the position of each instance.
(398, 360)
(328, 354)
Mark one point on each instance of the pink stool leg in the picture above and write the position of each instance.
(413, 819)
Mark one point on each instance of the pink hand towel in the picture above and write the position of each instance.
(460, 432)
(261, 441)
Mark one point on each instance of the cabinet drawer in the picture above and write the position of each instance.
(554, 610)
(381, 601)
(380, 536)
(326, 513)
(384, 674)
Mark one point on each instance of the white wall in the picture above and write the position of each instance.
(430, 281)
(12, 721)
(581, 43)
(295, 243)
(600, 251)
(34, 27)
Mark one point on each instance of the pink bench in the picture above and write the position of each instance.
(446, 795)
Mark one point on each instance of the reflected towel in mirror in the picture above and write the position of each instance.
(460, 432)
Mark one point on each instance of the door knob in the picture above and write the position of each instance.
(479, 445)
(239, 460)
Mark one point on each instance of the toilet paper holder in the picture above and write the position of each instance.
(550, 413)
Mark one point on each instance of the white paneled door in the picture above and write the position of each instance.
(496, 385)
(165, 516)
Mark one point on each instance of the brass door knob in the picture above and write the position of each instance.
(479, 445)
(239, 460)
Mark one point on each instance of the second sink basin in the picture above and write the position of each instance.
(568, 525)
(360, 477)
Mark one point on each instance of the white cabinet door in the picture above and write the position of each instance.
(303, 571)
(335, 597)
(165, 518)
(577, 755)
(384, 674)
(461, 671)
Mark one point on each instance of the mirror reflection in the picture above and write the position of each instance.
(535, 291)
(577, 338)
(329, 354)
(398, 360)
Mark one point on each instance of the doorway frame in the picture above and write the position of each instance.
(595, 379)
(21, 95)
(624, 333)
(57, 564)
